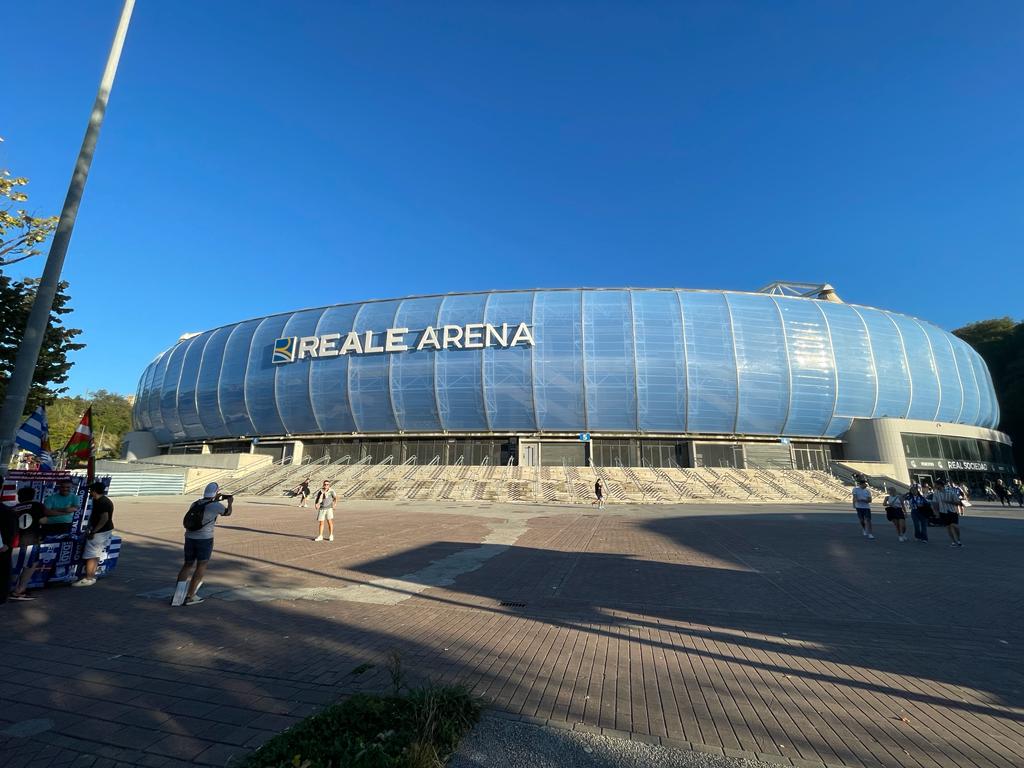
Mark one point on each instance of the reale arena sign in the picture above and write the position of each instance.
(288, 349)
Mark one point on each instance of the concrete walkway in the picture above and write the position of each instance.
(777, 634)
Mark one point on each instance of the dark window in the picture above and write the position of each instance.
(719, 455)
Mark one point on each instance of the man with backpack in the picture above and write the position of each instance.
(199, 523)
(324, 502)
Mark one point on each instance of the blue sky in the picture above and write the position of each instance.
(261, 157)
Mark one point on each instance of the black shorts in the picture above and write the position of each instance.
(863, 514)
(198, 549)
(894, 513)
(949, 518)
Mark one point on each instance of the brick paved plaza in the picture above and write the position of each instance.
(747, 629)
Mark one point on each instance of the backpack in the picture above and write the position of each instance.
(193, 519)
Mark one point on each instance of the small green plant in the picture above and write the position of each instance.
(395, 671)
(419, 729)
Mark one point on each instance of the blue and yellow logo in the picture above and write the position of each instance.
(284, 350)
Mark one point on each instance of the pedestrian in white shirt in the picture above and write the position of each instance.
(948, 505)
(862, 503)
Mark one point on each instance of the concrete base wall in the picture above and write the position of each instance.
(881, 440)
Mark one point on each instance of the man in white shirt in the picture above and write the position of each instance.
(948, 505)
(862, 503)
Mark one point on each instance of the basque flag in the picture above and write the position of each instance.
(80, 444)
(34, 436)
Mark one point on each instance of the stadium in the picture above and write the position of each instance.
(787, 378)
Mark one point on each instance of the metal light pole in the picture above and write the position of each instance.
(39, 318)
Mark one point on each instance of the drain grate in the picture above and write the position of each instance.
(511, 604)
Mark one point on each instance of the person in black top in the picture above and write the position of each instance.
(302, 491)
(8, 526)
(101, 529)
(28, 515)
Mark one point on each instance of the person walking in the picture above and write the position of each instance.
(8, 525)
(1002, 493)
(302, 491)
(948, 505)
(28, 516)
(920, 511)
(101, 530)
(598, 494)
(1017, 493)
(199, 545)
(324, 502)
(896, 512)
(862, 504)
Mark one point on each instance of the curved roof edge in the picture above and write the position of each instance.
(189, 334)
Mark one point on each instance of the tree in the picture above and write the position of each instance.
(1000, 342)
(16, 297)
(20, 232)
(111, 419)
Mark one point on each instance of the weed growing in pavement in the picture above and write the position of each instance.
(419, 729)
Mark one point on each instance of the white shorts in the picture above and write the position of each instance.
(325, 513)
(94, 547)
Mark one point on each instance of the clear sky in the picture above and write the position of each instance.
(268, 156)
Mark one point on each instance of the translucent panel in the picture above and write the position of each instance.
(508, 373)
(609, 366)
(660, 361)
(951, 393)
(368, 373)
(207, 397)
(412, 373)
(187, 409)
(459, 372)
(890, 365)
(813, 376)
(924, 389)
(761, 363)
(291, 380)
(137, 405)
(711, 363)
(169, 395)
(231, 390)
(972, 392)
(987, 410)
(328, 378)
(994, 415)
(142, 419)
(260, 398)
(162, 434)
(855, 366)
(558, 361)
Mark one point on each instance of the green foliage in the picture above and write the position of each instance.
(20, 232)
(111, 419)
(419, 730)
(1000, 342)
(16, 297)
(20, 236)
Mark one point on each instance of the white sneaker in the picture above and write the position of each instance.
(864, 534)
(84, 583)
(331, 537)
(871, 535)
(319, 538)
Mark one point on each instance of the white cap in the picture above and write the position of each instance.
(211, 490)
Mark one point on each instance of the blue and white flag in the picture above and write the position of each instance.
(34, 436)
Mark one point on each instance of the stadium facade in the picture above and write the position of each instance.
(603, 376)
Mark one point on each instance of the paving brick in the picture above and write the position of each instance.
(219, 755)
(182, 747)
(739, 630)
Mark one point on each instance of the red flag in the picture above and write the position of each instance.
(80, 444)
